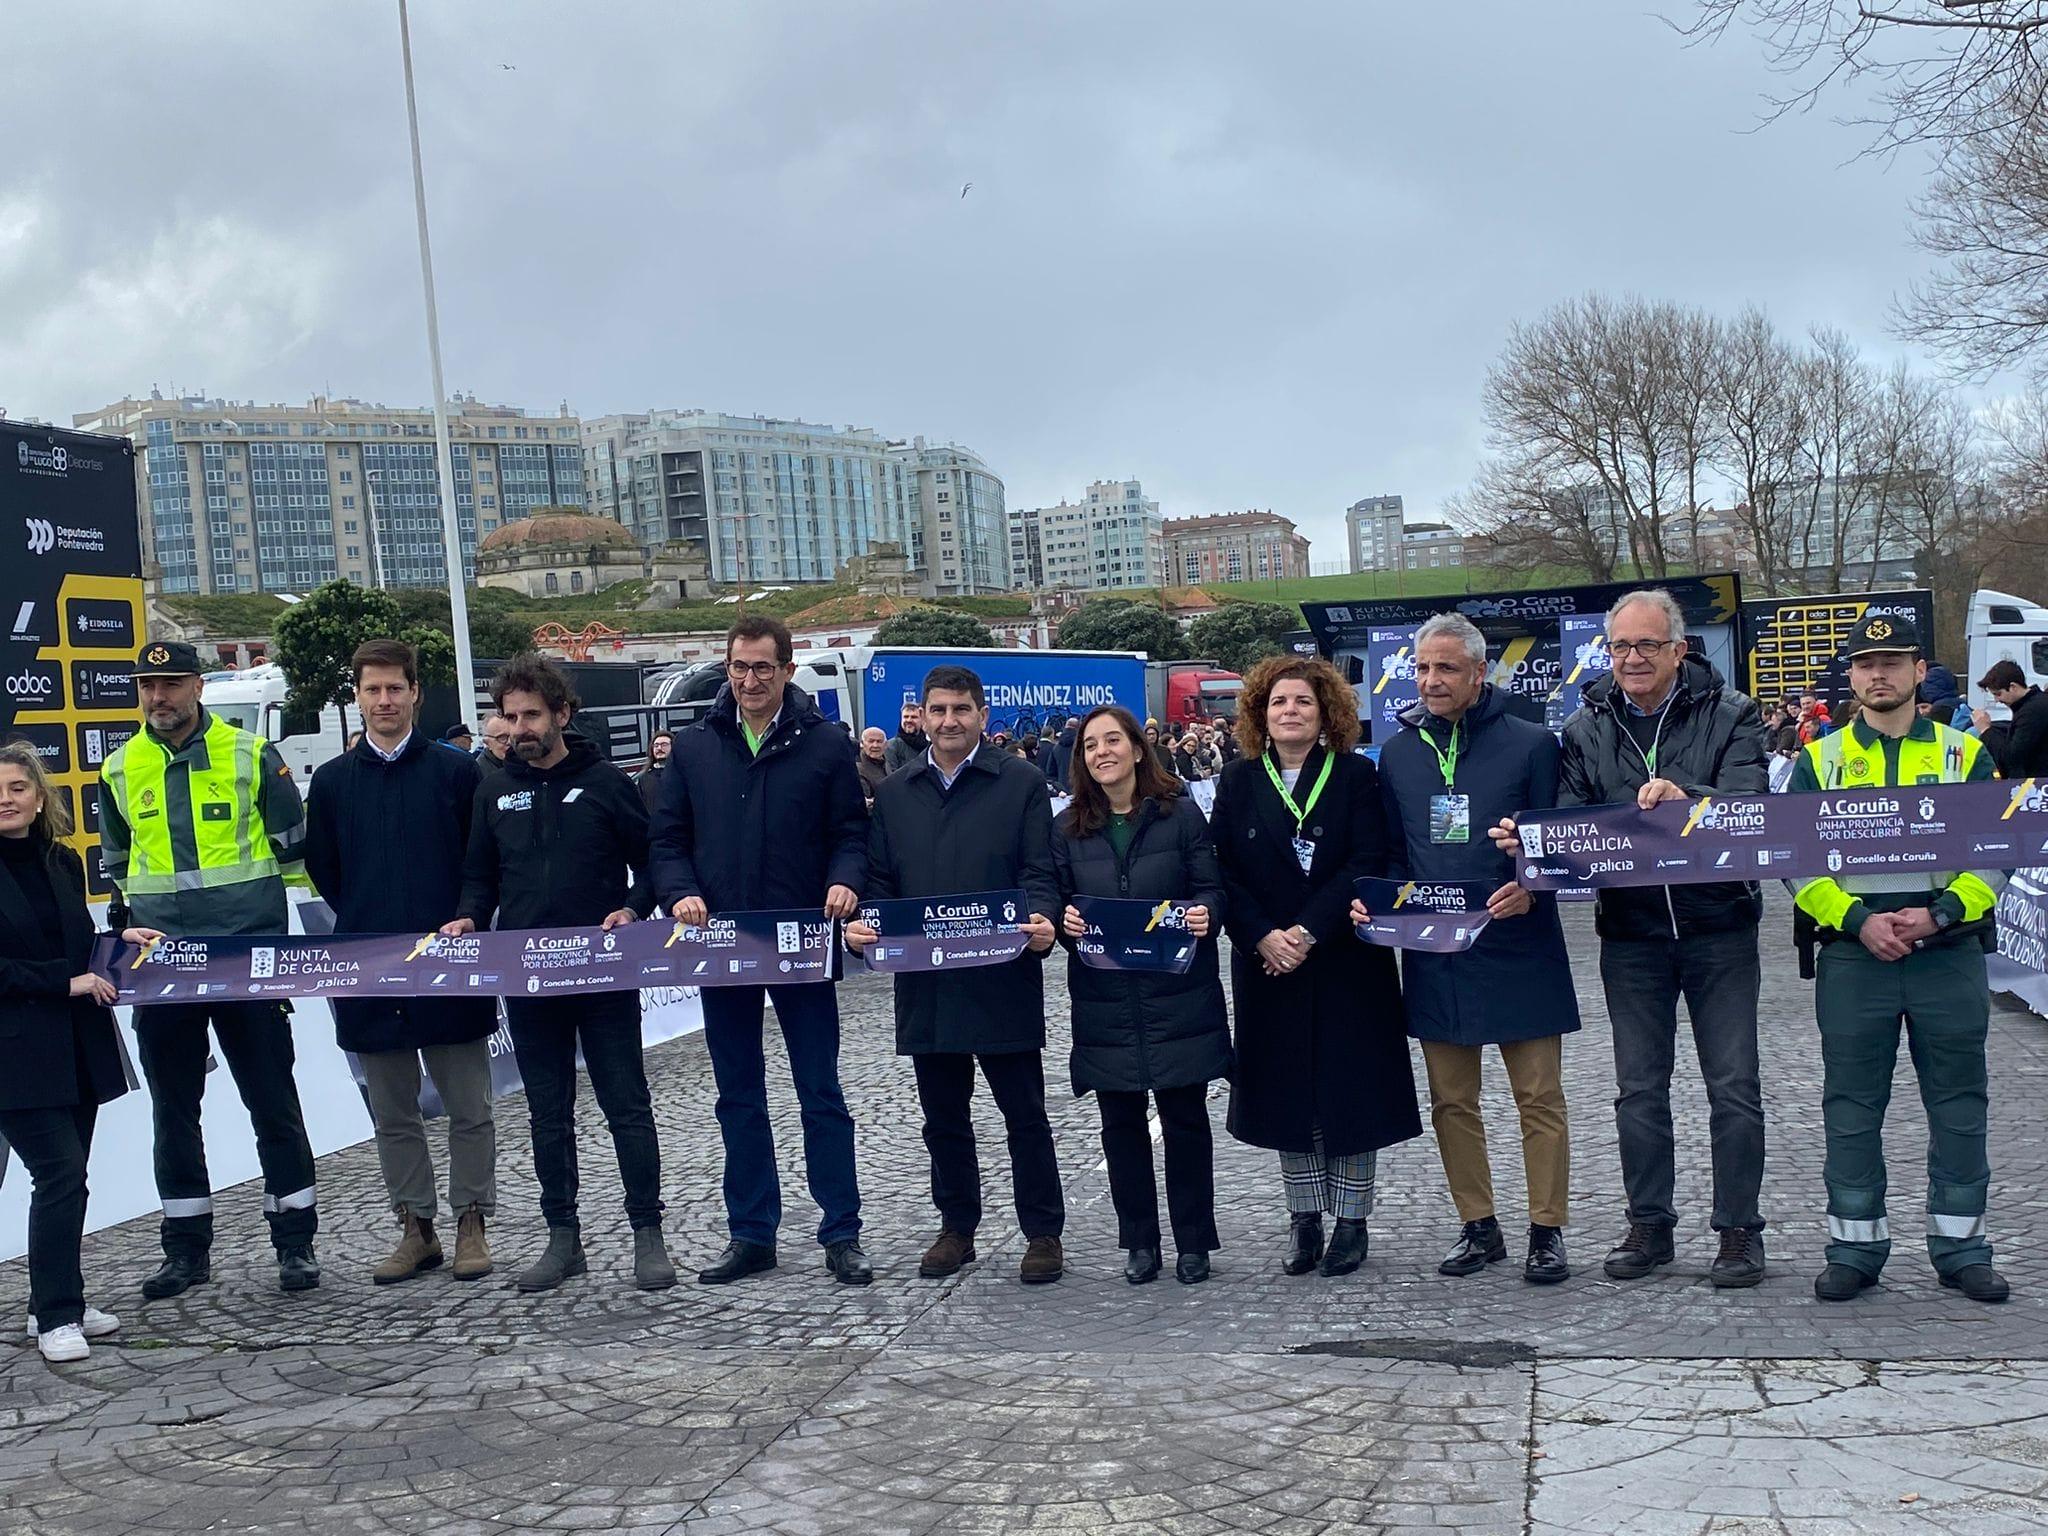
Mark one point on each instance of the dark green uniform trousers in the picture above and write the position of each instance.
(1946, 1004)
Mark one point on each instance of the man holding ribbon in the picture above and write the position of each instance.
(1462, 761)
(1905, 945)
(559, 840)
(1663, 725)
(969, 819)
(762, 810)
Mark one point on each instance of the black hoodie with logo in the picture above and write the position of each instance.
(560, 847)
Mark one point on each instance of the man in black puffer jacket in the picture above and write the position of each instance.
(763, 811)
(1665, 726)
(552, 843)
(387, 828)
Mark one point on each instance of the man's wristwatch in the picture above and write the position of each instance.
(1943, 918)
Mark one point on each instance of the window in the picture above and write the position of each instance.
(355, 552)
(575, 581)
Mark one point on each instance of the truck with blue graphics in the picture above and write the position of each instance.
(1027, 690)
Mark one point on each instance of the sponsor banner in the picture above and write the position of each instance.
(1135, 935)
(736, 949)
(1026, 690)
(1868, 831)
(1390, 677)
(938, 933)
(1793, 645)
(1443, 917)
(1582, 656)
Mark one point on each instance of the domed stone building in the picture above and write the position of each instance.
(561, 551)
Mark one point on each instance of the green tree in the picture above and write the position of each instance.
(436, 648)
(1120, 624)
(494, 632)
(1238, 634)
(937, 627)
(313, 642)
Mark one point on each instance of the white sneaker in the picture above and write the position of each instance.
(61, 1346)
(97, 1324)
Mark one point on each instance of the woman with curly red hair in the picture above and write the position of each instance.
(1322, 1048)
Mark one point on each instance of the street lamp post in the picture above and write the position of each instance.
(451, 532)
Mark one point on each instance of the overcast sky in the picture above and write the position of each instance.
(1251, 255)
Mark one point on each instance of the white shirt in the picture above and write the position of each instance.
(391, 756)
(946, 778)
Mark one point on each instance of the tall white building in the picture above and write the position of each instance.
(792, 501)
(1109, 539)
(241, 497)
(1372, 529)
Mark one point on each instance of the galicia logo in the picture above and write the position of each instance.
(42, 538)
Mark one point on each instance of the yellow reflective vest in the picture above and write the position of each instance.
(1857, 757)
(200, 840)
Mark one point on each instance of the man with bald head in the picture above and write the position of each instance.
(1664, 725)
(873, 763)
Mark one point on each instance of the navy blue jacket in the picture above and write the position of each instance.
(755, 832)
(384, 848)
(1515, 982)
(1134, 1031)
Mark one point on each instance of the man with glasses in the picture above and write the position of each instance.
(1663, 725)
(761, 809)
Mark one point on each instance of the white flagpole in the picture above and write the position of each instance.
(451, 533)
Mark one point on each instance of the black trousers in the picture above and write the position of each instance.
(53, 1145)
(545, 1035)
(256, 1042)
(945, 1088)
(1190, 1167)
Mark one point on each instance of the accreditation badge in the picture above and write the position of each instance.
(1450, 818)
(1304, 852)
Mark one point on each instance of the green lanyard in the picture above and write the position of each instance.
(1301, 812)
(1448, 761)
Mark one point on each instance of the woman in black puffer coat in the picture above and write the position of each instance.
(1131, 835)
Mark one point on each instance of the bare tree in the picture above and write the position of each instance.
(1601, 405)
(1762, 423)
(1968, 81)
(1527, 521)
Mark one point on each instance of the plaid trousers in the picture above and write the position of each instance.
(1317, 1182)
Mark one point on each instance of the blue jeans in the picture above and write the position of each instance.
(809, 1016)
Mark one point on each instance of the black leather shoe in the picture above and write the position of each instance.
(1347, 1248)
(1304, 1244)
(1741, 1260)
(1546, 1263)
(1191, 1268)
(1841, 1282)
(1640, 1252)
(1478, 1246)
(1141, 1265)
(737, 1262)
(1979, 1282)
(177, 1275)
(297, 1269)
(848, 1262)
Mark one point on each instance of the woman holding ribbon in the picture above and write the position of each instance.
(57, 1038)
(1322, 1055)
(1131, 837)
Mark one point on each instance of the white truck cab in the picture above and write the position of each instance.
(2005, 628)
(253, 698)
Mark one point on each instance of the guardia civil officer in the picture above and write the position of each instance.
(1907, 945)
(199, 824)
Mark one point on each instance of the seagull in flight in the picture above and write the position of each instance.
(508, 66)
(965, 188)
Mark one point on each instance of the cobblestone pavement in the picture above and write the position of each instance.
(1392, 1399)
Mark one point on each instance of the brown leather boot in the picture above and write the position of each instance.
(418, 1249)
(947, 1255)
(472, 1253)
(1044, 1261)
